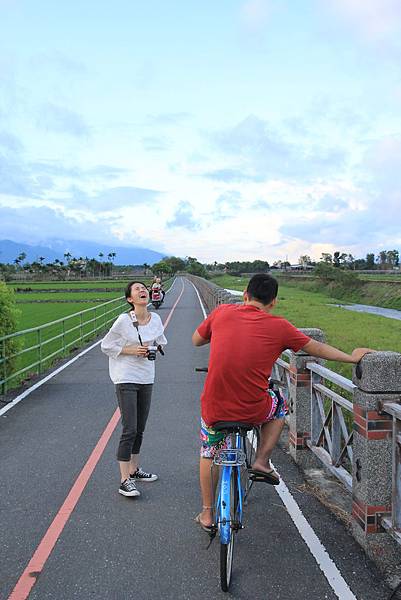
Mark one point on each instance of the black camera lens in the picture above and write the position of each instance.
(151, 354)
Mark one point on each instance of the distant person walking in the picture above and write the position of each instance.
(131, 347)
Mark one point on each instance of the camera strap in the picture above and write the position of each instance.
(135, 324)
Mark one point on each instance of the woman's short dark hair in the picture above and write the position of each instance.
(128, 289)
(263, 288)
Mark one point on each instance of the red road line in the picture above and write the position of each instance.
(35, 566)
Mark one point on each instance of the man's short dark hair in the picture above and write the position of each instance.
(263, 288)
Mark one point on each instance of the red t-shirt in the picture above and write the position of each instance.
(245, 342)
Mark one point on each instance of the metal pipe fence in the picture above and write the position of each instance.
(40, 346)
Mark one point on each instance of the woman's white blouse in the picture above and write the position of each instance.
(125, 368)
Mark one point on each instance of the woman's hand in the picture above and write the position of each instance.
(140, 351)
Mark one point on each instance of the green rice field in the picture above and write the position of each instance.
(49, 301)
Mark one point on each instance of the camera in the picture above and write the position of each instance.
(151, 355)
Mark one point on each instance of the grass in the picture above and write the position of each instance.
(344, 329)
(69, 285)
(69, 296)
(32, 314)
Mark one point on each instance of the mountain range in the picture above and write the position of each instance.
(51, 250)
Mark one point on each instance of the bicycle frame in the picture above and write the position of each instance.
(226, 517)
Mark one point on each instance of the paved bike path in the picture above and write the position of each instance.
(149, 548)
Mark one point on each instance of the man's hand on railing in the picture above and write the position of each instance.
(321, 350)
(359, 353)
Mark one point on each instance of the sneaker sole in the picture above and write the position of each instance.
(148, 479)
(130, 494)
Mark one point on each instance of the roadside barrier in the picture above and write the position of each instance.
(41, 346)
(351, 428)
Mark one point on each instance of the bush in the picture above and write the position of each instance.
(338, 277)
(8, 324)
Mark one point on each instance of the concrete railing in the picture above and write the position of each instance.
(211, 294)
(350, 428)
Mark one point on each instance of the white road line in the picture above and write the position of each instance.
(318, 551)
(34, 387)
(18, 399)
(200, 301)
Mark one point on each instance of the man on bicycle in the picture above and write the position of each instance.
(245, 342)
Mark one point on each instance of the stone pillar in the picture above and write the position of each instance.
(300, 403)
(378, 380)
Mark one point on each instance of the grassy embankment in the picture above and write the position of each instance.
(344, 329)
(377, 290)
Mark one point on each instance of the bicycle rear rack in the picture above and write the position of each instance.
(233, 458)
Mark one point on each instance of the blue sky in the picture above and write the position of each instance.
(236, 129)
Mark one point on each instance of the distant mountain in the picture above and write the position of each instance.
(52, 249)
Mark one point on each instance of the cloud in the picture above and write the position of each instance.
(255, 13)
(230, 175)
(60, 63)
(268, 155)
(10, 142)
(58, 119)
(117, 198)
(33, 224)
(376, 19)
(168, 118)
(331, 204)
(227, 205)
(57, 169)
(156, 143)
(183, 218)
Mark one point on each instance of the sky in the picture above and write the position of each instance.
(222, 130)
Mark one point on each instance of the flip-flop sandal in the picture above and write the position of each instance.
(207, 528)
(267, 477)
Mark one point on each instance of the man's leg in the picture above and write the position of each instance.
(270, 434)
(205, 472)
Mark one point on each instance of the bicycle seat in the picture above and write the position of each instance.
(233, 426)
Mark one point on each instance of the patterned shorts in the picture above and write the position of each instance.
(212, 441)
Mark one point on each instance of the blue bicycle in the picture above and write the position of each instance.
(233, 489)
(230, 492)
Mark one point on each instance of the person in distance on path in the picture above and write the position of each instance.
(132, 370)
(245, 342)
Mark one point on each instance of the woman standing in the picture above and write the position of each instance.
(132, 370)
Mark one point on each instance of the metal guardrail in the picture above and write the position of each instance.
(393, 523)
(331, 433)
(43, 344)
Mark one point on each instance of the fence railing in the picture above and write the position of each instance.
(38, 347)
(352, 429)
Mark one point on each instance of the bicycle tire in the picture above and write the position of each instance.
(228, 539)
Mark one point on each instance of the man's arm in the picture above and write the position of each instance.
(321, 350)
(198, 340)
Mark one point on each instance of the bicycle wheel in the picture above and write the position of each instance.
(227, 532)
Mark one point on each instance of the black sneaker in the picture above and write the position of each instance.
(128, 488)
(141, 475)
